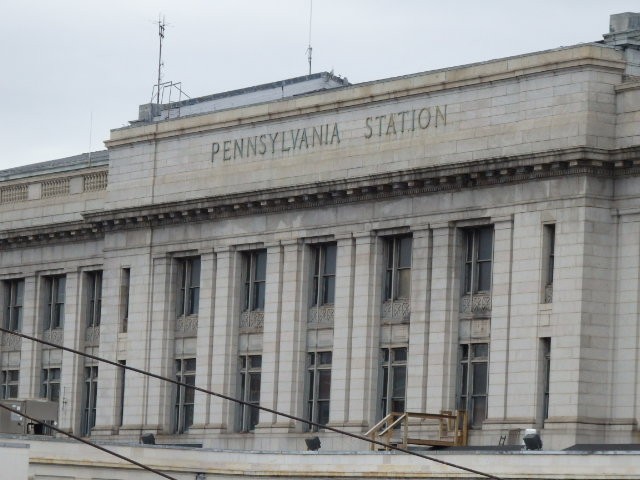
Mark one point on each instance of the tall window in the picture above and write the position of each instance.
(14, 295)
(89, 400)
(94, 297)
(9, 386)
(324, 274)
(397, 282)
(549, 247)
(188, 295)
(318, 387)
(50, 384)
(474, 378)
(546, 374)
(479, 253)
(185, 396)
(54, 290)
(250, 377)
(394, 380)
(254, 277)
(125, 282)
(120, 382)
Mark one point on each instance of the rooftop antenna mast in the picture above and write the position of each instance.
(309, 49)
(161, 26)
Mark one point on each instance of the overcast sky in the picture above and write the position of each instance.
(71, 70)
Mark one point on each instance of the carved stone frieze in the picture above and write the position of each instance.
(11, 343)
(187, 326)
(92, 336)
(396, 311)
(54, 336)
(321, 316)
(252, 320)
(478, 303)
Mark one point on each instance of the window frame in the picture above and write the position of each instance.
(323, 274)
(467, 393)
(14, 303)
(9, 384)
(254, 285)
(93, 280)
(318, 367)
(188, 288)
(184, 404)
(248, 371)
(389, 368)
(47, 380)
(89, 399)
(55, 298)
(395, 268)
(473, 263)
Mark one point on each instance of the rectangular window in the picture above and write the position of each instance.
(394, 380)
(89, 400)
(549, 246)
(478, 258)
(324, 274)
(546, 374)
(250, 377)
(188, 294)
(14, 296)
(10, 380)
(125, 282)
(120, 382)
(397, 282)
(474, 381)
(50, 384)
(94, 297)
(185, 396)
(254, 278)
(54, 291)
(318, 387)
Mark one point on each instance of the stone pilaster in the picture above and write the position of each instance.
(417, 361)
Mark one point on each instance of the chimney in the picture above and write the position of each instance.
(624, 30)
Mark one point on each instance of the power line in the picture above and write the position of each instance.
(87, 442)
(243, 402)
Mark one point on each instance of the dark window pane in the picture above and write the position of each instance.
(258, 297)
(480, 350)
(255, 361)
(464, 378)
(484, 276)
(325, 358)
(479, 378)
(485, 243)
(399, 381)
(399, 354)
(254, 387)
(323, 413)
(404, 260)
(329, 290)
(324, 384)
(404, 283)
(330, 260)
(479, 412)
(261, 266)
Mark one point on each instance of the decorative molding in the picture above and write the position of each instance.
(94, 182)
(10, 343)
(14, 193)
(187, 326)
(322, 315)
(252, 320)
(53, 336)
(92, 336)
(56, 187)
(476, 304)
(396, 311)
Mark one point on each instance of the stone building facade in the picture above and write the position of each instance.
(460, 238)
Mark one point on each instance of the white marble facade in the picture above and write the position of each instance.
(477, 224)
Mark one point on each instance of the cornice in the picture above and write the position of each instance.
(414, 182)
(370, 93)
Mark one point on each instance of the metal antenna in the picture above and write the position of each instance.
(161, 26)
(309, 49)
